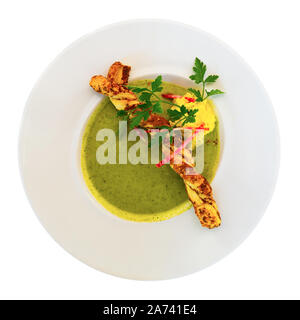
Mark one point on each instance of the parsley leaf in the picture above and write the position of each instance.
(156, 84)
(182, 116)
(135, 121)
(146, 115)
(145, 96)
(183, 109)
(211, 78)
(191, 116)
(174, 114)
(196, 93)
(157, 107)
(199, 69)
(213, 92)
(122, 114)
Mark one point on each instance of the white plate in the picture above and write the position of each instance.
(53, 121)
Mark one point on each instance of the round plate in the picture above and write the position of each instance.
(53, 121)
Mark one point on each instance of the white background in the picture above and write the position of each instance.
(266, 34)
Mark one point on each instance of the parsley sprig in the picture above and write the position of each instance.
(148, 105)
(182, 116)
(199, 77)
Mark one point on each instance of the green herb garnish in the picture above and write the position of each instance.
(152, 103)
(182, 116)
(199, 77)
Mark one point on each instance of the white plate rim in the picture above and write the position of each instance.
(124, 23)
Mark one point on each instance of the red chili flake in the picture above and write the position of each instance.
(170, 96)
(190, 99)
(175, 96)
(201, 127)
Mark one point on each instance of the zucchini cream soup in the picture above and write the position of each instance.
(143, 192)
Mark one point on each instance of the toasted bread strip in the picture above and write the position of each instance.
(198, 189)
(155, 121)
(118, 73)
(200, 194)
(120, 96)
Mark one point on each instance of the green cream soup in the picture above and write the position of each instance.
(139, 192)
